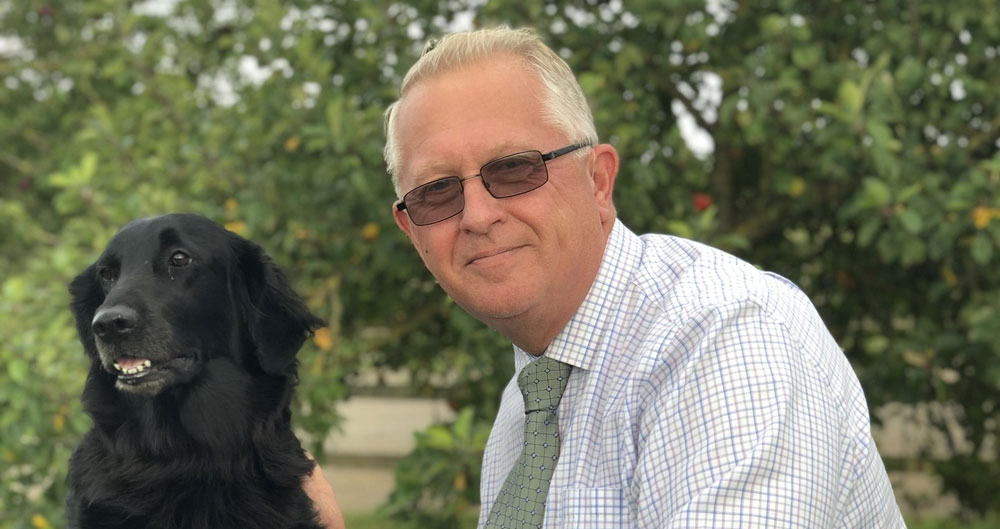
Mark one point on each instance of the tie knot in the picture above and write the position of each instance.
(542, 383)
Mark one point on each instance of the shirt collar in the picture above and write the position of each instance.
(582, 340)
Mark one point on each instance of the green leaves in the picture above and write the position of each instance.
(806, 57)
(844, 159)
(982, 248)
(851, 96)
(882, 136)
(17, 369)
(875, 193)
(78, 176)
(438, 482)
(911, 221)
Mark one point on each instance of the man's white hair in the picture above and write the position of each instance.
(564, 105)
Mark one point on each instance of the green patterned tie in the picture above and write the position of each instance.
(521, 502)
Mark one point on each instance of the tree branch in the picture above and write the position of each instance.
(671, 89)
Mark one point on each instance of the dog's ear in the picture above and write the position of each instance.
(86, 296)
(276, 317)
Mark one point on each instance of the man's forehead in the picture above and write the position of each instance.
(451, 162)
(454, 121)
(426, 97)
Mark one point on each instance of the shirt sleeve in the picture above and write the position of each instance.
(753, 420)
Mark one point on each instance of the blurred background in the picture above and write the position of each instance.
(849, 145)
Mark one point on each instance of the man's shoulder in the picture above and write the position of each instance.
(683, 276)
(706, 308)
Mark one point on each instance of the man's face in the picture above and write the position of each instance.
(528, 258)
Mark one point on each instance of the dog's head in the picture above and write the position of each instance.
(170, 293)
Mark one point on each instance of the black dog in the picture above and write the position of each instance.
(192, 334)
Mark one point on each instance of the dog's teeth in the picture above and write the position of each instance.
(145, 364)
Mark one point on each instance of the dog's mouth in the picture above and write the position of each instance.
(131, 368)
(145, 376)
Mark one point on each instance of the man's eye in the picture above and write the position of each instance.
(437, 191)
(511, 170)
(508, 164)
(439, 186)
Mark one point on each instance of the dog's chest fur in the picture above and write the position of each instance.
(194, 460)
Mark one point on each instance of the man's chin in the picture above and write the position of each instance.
(502, 305)
(498, 311)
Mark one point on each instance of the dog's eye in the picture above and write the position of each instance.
(106, 273)
(180, 258)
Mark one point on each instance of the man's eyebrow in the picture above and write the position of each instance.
(441, 170)
(433, 169)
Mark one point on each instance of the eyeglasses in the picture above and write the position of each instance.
(509, 176)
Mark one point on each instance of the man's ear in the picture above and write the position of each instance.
(86, 296)
(276, 317)
(402, 220)
(605, 172)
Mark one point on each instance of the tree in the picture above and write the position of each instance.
(853, 149)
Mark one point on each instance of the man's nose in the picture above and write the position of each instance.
(481, 209)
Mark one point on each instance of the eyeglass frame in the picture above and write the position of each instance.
(551, 155)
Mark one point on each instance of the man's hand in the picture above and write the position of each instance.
(321, 493)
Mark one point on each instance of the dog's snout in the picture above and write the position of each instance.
(114, 321)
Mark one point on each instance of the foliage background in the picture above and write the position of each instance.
(855, 152)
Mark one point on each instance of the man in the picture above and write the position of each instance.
(701, 392)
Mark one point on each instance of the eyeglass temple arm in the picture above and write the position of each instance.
(559, 152)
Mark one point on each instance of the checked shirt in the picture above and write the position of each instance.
(705, 394)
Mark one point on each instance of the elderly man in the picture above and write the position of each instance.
(660, 383)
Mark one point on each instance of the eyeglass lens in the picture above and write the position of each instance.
(504, 177)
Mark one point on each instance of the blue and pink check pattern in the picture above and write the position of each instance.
(705, 394)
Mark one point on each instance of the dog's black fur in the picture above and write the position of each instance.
(201, 438)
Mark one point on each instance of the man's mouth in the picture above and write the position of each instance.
(492, 253)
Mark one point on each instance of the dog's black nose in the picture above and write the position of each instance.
(114, 321)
